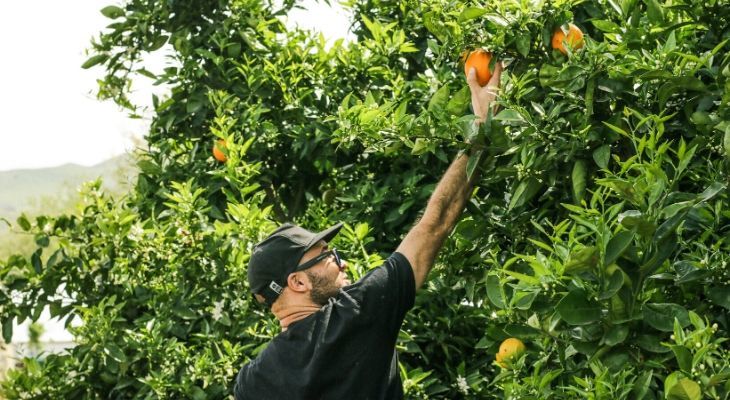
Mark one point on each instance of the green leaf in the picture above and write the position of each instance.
(606, 26)
(197, 393)
(614, 284)
(670, 226)
(577, 309)
(23, 222)
(362, 230)
(549, 376)
(661, 315)
(672, 380)
(522, 331)
(459, 102)
(602, 156)
(578, 178)
(689, 83)
(8, 329)
(494, 291)
(711, 191)
(617, 130)
(35, 259)
(683, 356)
(497, 20)
(685, 389)
(55, 257)
(651, 343)
(570, 78)
(581, 260)
(634, 219)
(94, 60)
(615, 335)
(509, 115)
(157, 43)
(687, 273)
(641, 385)
(184, 312)
(420, 147)
(471, 13)
(662, 250)
(719, 295)
(523, 278)
(672, 209)
(523, 300)
(525, 191)
(726, 141)
(194, 105)
(473, 163)
(654, 11)
(407, 47)
(112, 12)
(616, 360)
(432, 22)
(115, 352)
(522, 42)
(439, 99)
(42, 240)
(617, 245)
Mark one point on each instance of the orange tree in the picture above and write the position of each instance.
(597, 234)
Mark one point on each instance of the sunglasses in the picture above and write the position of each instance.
(321, 257)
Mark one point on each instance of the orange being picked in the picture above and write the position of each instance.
(480, 60)
(510, 349)
(574, 38)
(218, 153)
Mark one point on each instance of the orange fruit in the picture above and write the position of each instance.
(510, 349)
(574, 39)
(218, 153)
(480, 60)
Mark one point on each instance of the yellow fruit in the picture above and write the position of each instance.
(510, 349)
(574, 39)
(218, 153)
(480, 60)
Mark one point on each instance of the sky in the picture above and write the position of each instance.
(49, 114)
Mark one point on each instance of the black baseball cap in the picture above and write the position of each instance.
(274, 258)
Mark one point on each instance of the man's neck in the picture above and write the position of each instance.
(287, 314)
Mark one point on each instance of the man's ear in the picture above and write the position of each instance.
(298, 282)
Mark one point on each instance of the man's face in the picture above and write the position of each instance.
(325, 277)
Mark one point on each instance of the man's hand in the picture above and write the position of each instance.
(482, 97)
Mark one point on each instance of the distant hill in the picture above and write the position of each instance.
(21, 190)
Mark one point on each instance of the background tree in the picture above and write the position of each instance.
(597, 235)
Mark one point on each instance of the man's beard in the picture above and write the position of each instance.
(322, 288)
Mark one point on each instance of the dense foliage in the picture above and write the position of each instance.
(598, 233)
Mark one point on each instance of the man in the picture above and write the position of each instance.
(338, 339)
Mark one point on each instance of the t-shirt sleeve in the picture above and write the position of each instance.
(387, 292)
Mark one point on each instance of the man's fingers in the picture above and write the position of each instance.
(471, 79)
(494, 80)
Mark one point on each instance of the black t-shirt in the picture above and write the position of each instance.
(346, 350)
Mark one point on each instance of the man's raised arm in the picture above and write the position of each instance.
(424, 240)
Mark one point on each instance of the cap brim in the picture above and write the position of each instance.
(325, 235)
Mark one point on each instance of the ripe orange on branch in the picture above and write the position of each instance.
(510, 349)
(218, 153)
(574, 39)
(480, 60)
